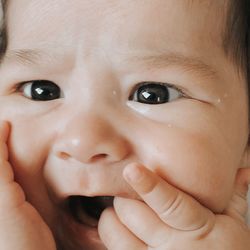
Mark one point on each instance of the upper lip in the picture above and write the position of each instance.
(66, 179)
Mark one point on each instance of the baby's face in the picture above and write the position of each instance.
(90, 86)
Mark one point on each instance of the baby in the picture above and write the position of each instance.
(124, 125)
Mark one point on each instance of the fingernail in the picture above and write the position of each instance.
(133, 173)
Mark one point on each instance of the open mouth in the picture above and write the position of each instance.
(87, 210)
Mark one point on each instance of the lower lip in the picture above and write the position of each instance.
(79, 235)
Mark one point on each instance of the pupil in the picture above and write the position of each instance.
(44, 91)
(153, 94)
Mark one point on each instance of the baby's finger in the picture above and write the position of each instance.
(173, 206)
(4, 130)
(140, 219)
(115, 235)
(4, 133)
(6, 172)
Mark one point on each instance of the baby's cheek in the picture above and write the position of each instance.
(196, 165)
(28, 145)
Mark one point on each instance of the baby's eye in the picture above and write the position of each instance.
(40, 90)
(154, 93)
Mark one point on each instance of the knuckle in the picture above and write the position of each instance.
(172, 207)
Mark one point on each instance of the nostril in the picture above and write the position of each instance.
(63, 155)
(98, 157)
(94, 158)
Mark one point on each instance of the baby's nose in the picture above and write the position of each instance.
(92, 139)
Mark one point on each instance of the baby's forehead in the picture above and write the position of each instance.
(120, 28)
(132, 20)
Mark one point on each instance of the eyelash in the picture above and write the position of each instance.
(145, 83)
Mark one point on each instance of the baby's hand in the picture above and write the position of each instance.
(169, 219)
(21, 227)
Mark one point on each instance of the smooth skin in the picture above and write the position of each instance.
(174, 219)
(21, 225)
(190, 150)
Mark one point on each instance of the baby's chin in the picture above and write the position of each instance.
(77, 223)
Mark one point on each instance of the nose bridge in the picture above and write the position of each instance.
(91, 136)
(89, 126)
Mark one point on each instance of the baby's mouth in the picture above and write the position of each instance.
(87, 210)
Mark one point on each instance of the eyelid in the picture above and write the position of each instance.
(144, 83)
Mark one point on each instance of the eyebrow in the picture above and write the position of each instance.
(29, 56)
(159, 60)
(189, 64)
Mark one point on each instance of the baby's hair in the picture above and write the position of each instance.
(3, 30)
(236, 35)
